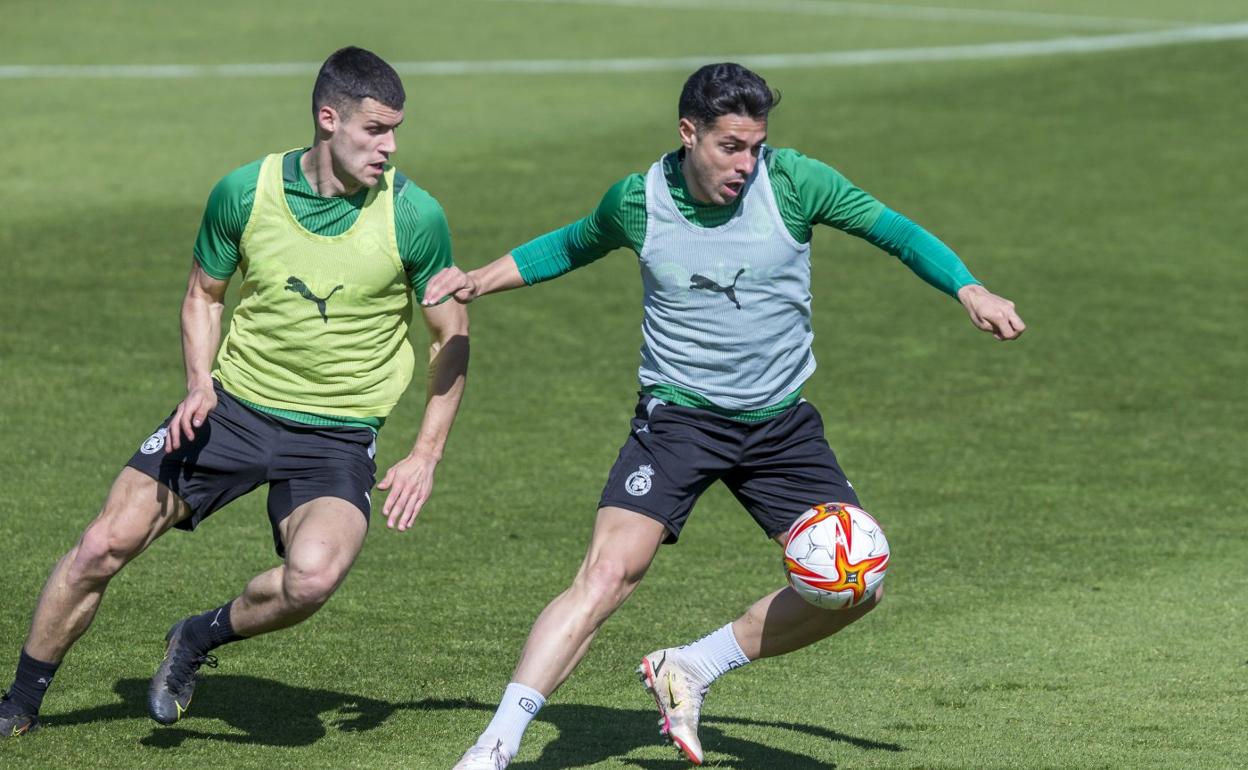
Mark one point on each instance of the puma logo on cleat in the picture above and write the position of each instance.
(697, 281)
(300, 288)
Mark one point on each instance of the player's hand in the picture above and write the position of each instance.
(991, 313)
(190, 415)
(450, 281)
(409, 482)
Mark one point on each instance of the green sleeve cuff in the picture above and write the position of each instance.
(922, 252)
(210, 269)
(545, 257)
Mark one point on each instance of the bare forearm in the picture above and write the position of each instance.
(201, 333)
(499, 275)
(448, 372)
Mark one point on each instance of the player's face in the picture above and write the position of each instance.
(362, 144)
(720, 157)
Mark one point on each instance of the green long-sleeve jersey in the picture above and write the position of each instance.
(808, 193)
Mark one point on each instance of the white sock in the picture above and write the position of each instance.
(713, 655)
(517, 708)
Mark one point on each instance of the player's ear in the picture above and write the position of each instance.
(327, 119)
(688, 133)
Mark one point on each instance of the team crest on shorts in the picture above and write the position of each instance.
(155, 442)
(638, 482)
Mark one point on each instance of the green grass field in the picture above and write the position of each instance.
(1068, 586)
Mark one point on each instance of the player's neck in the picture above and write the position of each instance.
(691, 184)
(318, 169)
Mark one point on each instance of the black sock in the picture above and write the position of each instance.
(211, 630)
(31, 681)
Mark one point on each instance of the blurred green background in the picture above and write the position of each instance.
(1066, 512)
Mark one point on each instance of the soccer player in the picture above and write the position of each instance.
(331, 242)
(722, 230)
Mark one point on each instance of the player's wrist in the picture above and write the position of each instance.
(970, 291)
(499, 275)
(198, 383)
(425, 453)
(479, 281)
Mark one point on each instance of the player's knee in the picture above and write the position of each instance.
(308, 588)
(100, 554)
(607, 581)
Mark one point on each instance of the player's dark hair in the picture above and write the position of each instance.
(725, 89)
(351, 75)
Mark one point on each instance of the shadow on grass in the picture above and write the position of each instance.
(268, 713)
(591, 734)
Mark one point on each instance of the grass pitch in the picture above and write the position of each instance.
(1066, 512)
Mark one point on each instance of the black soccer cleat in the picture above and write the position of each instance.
(173, 684)
(14, 719)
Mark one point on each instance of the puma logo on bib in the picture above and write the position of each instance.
(300, 288)
(697, 281)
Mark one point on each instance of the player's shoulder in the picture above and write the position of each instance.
(413, 198)
(239, 184)
(417, 214)
(630, 184)
(630, 189)
(798, 168)
(788, 158)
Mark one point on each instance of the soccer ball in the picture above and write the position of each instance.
(835, 555)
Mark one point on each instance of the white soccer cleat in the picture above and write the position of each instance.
(679, 699)
(484, 757)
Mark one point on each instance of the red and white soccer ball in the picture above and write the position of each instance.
(835, 555)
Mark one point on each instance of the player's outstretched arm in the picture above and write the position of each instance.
(499, 275)
(409, 482)
(201, 333)
(991, 313)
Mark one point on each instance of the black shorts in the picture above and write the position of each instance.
(237, 449)
(776, 468)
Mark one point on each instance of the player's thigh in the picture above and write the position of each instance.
(788, 467)
(138, 510)
(323, 536)
(627, 539)
(332, 469)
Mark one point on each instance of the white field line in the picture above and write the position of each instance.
(885, 11)
(1011, 50)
